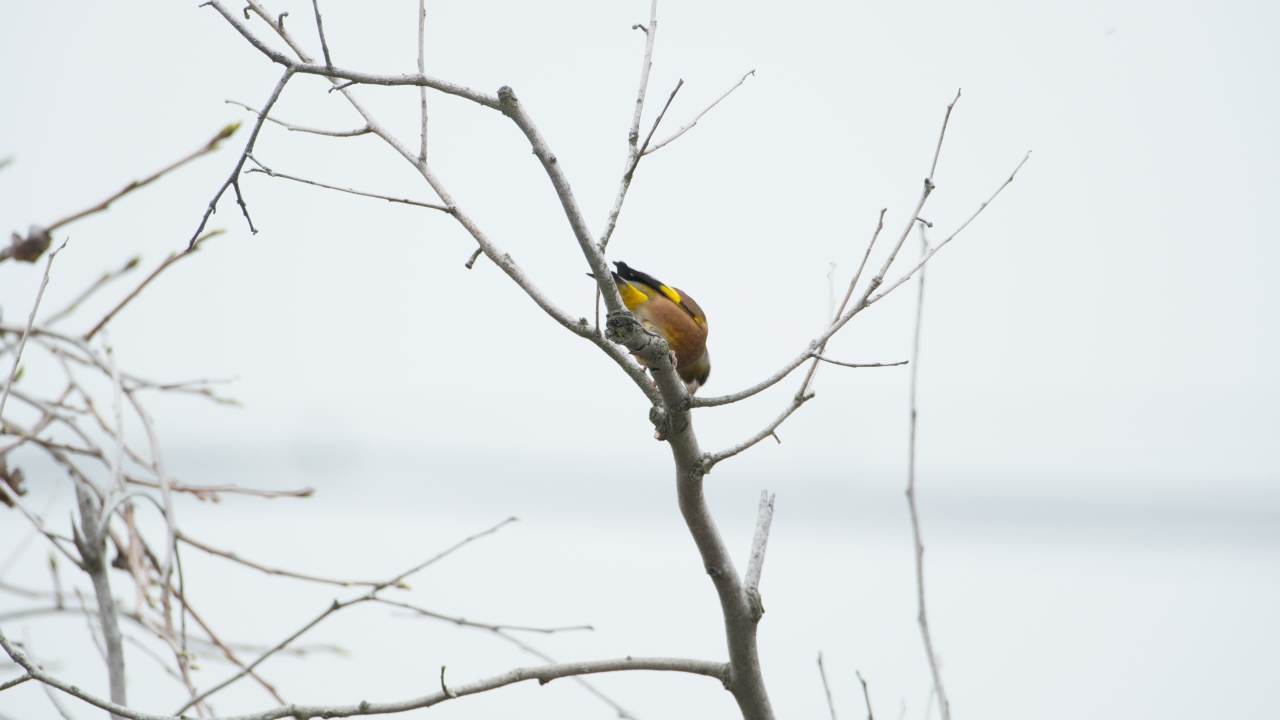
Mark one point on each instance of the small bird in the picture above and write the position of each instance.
(671, 313)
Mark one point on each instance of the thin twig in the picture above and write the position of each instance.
(633, 132)
(26, 332)
(937, 151)
(103, 280)
(922, 616)
(646, 67)
(844, 302)
(170, 260)
(15, 682)
(324, 44)
(934, 250)
(184, 537)
(492, 627)
(842, 363)
(422, 90)
(710, 460)
(632, 165)
(226, 132)
(211, 492)
(866, 694)
(689, 126)
(826, 687)
(170, 520)
(303, 128)
(405, 201)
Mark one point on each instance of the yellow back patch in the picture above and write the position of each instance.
(632, 296)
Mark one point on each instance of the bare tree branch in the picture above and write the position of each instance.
(868, 295)
(335, 606)
(543, 674)
(308, 68)
(503, 260)
(506, 633)
(233, 181)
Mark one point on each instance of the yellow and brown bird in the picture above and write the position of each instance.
(671, 313)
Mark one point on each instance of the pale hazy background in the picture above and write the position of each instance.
(1099, 402)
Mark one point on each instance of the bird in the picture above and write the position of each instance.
(671, 313)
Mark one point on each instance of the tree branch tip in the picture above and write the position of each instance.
(227, 131)
(445, 688)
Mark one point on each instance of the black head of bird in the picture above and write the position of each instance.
(671, 313)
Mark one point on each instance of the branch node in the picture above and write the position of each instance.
(661, 422)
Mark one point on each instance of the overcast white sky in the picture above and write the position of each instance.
(1106, 333)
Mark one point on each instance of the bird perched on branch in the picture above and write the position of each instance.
(671, 313)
